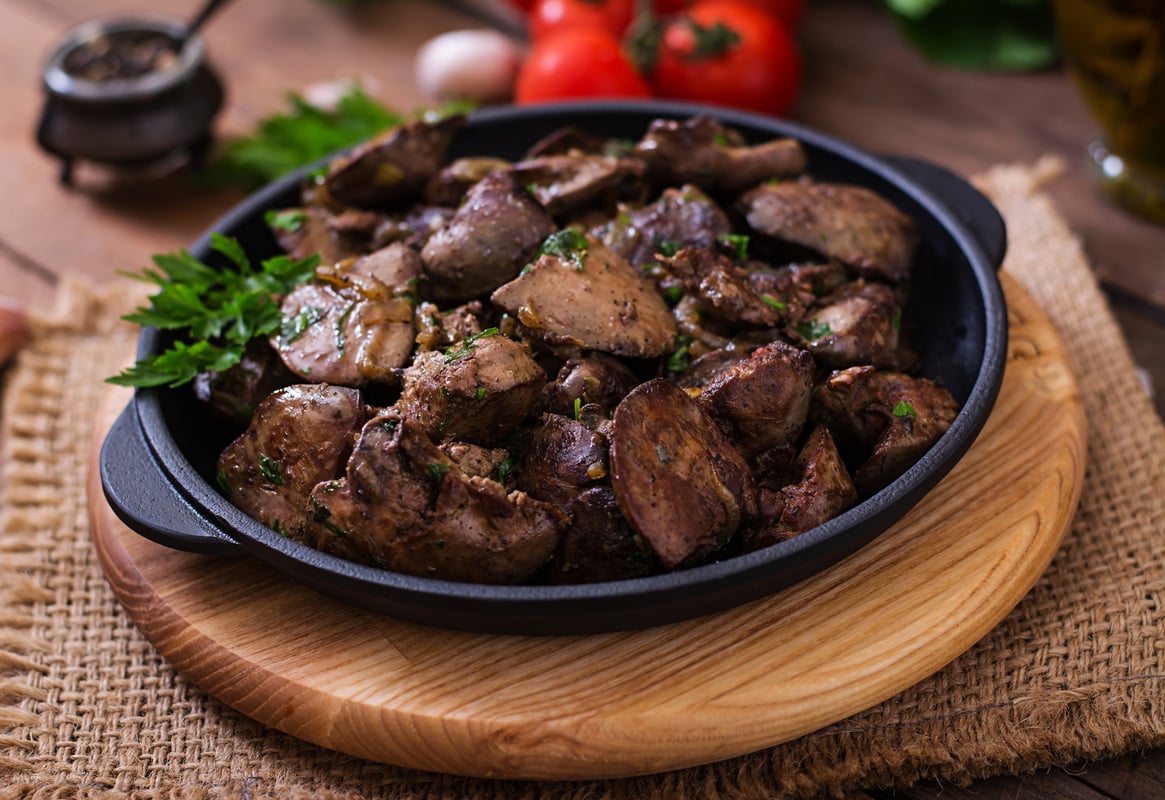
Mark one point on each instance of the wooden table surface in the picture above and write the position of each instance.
(861, 84)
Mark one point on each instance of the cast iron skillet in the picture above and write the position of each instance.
(157, 462)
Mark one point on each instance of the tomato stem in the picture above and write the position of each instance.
(642, 41)
(711, 41)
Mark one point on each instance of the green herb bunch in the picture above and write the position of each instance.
(218, 310)
(304, 134)
(284, 142)
(1007, 35)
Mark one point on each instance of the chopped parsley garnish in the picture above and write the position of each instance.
(666, 247)
(679, 360)
(437, 471)
(904, 409)
(532, 188)
(221, 479)
(505, 468)
(737, 243)
(294, 327)
(569, 244)
(270, 470)
(812, 330)
(338, 326)
(896, 320)
(220, 310)
(389, 425)
(577, 407)
(333, 527)
(720, 140)
(480, 393)
(673, 294)
(287, 140)
(772, 301)
(288, 220)
(468, 345)
(277, 526)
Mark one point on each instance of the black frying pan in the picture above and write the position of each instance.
(158, 461)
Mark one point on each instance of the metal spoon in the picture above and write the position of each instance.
(208, 10)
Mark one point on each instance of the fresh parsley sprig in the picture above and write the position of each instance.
(285, 141)
(220, 310)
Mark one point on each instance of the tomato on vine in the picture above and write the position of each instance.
(578, 62)
(730, 53)
(788, 12)
(548, 16)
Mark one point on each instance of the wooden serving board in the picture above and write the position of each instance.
(631, 703)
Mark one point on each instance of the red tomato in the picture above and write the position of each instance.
(789, 12)
(578, 62)
(548, 16)
(729, 53)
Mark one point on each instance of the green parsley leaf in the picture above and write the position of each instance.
(772, 301)
(220, 310)
(679, 360)
(811, 330)
(288, 220)
(292, 328)
(505, 468)
(468, 345)
(437, 471)
(270, 470)
(666, 247)
(737, 243)
(569, 244)
(285, 141)
(178, 365)
(904, 409)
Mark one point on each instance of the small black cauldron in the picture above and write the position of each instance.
(151, 115)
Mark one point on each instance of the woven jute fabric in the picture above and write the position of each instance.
(1075, 672)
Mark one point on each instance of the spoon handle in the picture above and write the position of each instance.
(205, 13)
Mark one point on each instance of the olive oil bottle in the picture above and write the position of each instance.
(1114, 50)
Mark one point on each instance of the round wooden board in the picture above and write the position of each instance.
(638, 702)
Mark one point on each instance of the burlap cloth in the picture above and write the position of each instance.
(1076, 672)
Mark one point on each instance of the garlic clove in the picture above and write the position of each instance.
(479, 65)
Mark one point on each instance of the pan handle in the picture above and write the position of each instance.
(964, 201)
(144, 498)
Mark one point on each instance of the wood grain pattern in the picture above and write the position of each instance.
(636, 702)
